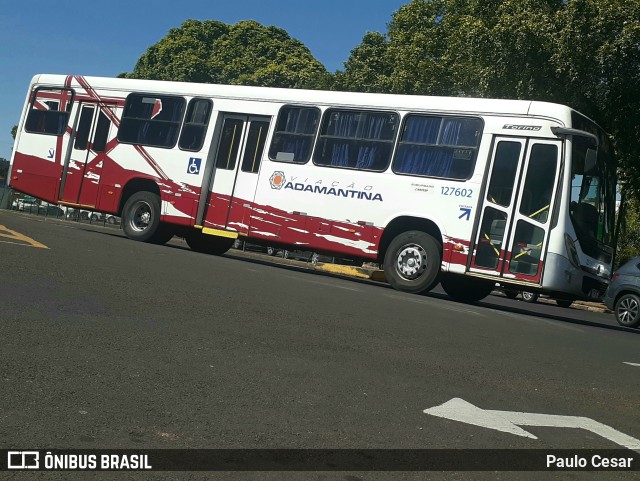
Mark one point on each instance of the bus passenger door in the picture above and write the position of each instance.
(234, 177)
(83, 165)
(520, 194)
(41, 143)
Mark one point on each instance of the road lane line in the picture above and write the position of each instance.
(19, 237)
(635, 364)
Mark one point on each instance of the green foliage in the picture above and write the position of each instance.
(583, 53)
(4, 167)
(14, 131)
(246, 53)
(629, 236)
(368, 68)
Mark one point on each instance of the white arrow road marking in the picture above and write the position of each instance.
(632, 364)
(508, 421)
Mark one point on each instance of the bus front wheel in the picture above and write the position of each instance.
(412, 262)
(466, 289)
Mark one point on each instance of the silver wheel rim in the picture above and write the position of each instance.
(411, 262)
(628, 310)
(140, 216)
(527, 296)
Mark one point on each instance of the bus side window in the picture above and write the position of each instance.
(101, 136)
(195, 124)
(294, 134)
(151, 120)
(356, 139)
(538, 184)
(84, 128)
(254, 146)
(49, 113)
(437, 146)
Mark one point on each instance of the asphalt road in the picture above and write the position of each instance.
(110, 343)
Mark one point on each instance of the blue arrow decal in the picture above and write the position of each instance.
(466, 212)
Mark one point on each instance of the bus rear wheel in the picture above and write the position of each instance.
(466, 289)
(207, 244)
(412, 262)
(141, 217)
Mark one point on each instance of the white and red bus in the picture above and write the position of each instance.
(468, 192)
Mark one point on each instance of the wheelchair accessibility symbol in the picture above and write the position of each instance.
(194, 165)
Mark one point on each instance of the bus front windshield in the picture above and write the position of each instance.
(593, 197)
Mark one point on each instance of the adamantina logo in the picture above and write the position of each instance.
(277, 180)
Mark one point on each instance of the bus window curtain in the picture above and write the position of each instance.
(369, 152)
(300, 121)
(296, 145)
(436, 162)
(423, 130)
(451, 132)
(344, 125)
(366, 156)
(340, 154)
(423, 160)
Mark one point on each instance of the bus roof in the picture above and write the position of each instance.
(323, 97)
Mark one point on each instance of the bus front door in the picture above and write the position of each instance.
(41, 143)
(83, 164)
(233, 179)
(516, 210)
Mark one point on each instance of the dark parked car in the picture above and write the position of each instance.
(623, 294)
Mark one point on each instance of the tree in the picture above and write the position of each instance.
(599, 59)
(583, 53)
(246, 53)
(368, 68)
(4, 167)
(14, 131)
(629, 236)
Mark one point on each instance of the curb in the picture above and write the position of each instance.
(378, 275)
(582, 305)
(361, 272)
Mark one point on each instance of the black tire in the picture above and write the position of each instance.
(627, 310)
(208, 244)
(271, 251)
(466, 289)
(529, 296)
(511, 294)
(141, 216)
(111, 220)
(94, 217)
(285, 254)
(412, 262)
(163, 235)
(564, 302)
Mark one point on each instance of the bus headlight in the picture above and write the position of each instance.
(572, 251)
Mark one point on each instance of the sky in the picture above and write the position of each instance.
(107, 38)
